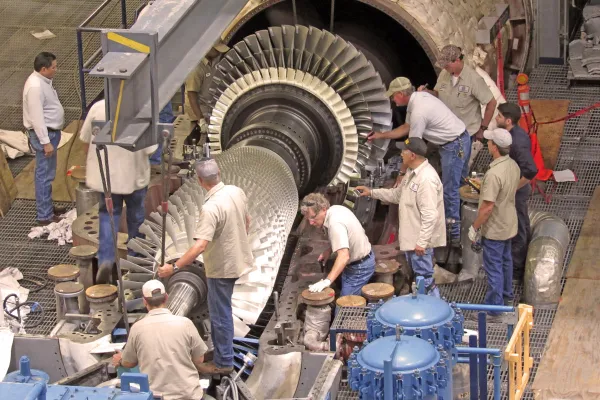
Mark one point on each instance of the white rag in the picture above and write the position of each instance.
(60, 231)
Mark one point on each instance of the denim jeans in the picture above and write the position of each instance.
(136, 213)
(498, 266)
(452, 167)
(220, 291)
(165, 117)
(356, 276)
(45, 172)
(465, 172)
(423, 266)
(520, 241)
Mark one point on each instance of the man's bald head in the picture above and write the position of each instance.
(208, 172)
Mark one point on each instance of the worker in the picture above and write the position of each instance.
(355, 260)
(508, 118)
(129, 179)
(463, 90)
(43, 117)
(165, 116)
(428, 118)
(222, 235)
(420, 200)
(167, 347)
(197, 87)
(496, 221)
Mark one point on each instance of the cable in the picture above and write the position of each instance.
(230, 385)
(40, 282)
(34, 307)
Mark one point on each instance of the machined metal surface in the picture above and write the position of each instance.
(318, 62)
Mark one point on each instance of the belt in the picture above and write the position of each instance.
(458, 137)
(362, 259)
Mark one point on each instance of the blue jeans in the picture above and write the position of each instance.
(423, 266)
(136, 213)
(452, 168)
(465, 171)
(45, 172)
(356, 276)
(166, 117)
(220, 291)
(498, 266)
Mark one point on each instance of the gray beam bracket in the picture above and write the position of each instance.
(127, 86)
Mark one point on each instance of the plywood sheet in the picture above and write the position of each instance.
(550, 135)
(570, 364)
(584, 263)
(63, 188)
(8, 190)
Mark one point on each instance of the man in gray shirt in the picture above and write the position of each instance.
(222, 235)
(43, 117)
(167, 347)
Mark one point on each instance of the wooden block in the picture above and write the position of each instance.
(584, 264)
(570, 365)
(8, 190)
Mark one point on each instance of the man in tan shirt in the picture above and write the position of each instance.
(197, 86)
(420, 199)
(222, 235)
(463, 90)
(355, 260)
(167, 347)
(496, 222)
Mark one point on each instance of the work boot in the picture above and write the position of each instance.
(55, 218)
(210, 368)
(59, 210)
(104, 273)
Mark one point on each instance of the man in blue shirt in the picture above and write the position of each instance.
(520, 151)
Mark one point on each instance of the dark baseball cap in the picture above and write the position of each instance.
(414, 144)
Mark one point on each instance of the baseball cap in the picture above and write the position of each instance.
(399, 84)
(153, 288)
(414, 144)
(501, 137)
(448, 54)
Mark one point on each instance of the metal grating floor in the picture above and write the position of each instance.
(20, 47)
(579, 151)
(31, 257)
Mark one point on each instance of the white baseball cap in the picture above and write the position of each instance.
(153, 288)
(501, 137)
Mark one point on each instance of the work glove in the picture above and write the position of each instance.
(319, 286)
(474, 234)
(203, 125)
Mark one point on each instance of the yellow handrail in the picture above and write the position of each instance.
(518, 354)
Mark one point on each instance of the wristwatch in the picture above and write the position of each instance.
(175, 267)
(483, 127)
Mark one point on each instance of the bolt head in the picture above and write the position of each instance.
(100, 69)
(122, 70)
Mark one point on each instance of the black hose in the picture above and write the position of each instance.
(39, 282)
(34, 307)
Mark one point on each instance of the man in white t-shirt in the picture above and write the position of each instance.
(129, 178)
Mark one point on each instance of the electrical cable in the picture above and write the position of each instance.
(230, 386)
(34, 307)
(40, 282)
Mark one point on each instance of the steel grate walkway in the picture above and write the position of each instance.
(20, 47)
(31, 257)
(580, 152)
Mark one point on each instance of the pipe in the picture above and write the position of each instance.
(38, 392)
(182, 298)
(484, 307)
(313, 343)
(545, 257)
